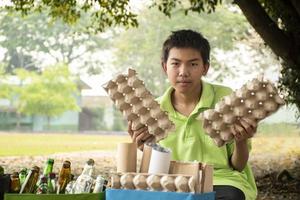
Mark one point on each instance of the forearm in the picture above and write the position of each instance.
(240, 155)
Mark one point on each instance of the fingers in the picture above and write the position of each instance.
(251, 122)
(139, 139)
(147, 138)
(139, 132)
(238, 131)
(247, 127)
(244, 129)
(141, 135)
(129, 128)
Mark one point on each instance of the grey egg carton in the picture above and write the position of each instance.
(138, 105)
(255, 100)
(154, 182)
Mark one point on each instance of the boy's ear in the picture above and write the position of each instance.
(164, 66)
(206, 68)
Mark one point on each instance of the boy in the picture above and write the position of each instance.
(185, 59)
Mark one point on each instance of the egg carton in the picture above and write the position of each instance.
(138, 105)
(154, 182)
(254, 101)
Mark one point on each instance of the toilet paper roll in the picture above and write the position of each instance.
(126, 157)
(160, 161)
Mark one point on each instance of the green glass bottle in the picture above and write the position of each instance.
(47, 170)
(22, 175)
(51, 183)
(49, 167)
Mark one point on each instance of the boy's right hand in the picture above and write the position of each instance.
(139, 136)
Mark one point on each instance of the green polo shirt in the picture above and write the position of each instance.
(189, 142)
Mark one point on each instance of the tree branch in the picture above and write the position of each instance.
(286, 11)
(276, 38)
(296, 4)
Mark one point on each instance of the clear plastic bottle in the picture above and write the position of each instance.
(85, 181)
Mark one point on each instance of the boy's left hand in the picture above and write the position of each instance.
(245, 129)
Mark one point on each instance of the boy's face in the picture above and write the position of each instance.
(184, 69)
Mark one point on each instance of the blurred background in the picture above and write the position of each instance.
(52, 101)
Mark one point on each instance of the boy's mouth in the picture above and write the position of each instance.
(184, 81)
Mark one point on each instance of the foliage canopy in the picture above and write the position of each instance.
(276, 21)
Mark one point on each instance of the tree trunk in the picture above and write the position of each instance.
(48, 123)
(18, 115)
(282, 44)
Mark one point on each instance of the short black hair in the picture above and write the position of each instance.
(186, 39)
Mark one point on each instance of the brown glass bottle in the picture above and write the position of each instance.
(15, 183)
(64, 177)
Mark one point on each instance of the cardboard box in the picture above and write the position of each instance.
(201, 171)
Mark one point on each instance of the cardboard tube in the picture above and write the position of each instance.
(126, 157)
(207, 178)
(146, 159)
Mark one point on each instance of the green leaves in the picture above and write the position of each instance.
(141, 47)
(101, 13)
(169, 6)
(25, 39)
(50, 93)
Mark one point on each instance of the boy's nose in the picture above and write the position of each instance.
(183, 70)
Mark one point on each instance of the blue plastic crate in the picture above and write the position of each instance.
(114, 194)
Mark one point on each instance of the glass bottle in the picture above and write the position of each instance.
(51, 183)
(47, 170)
(100, 184)
(15, 183)
(49, 167)
(43, 187)
(70, 186)
(64, 177)
(1, 171)
(30, 182)
(22, 175)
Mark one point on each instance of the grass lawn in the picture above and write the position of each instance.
(16, 144)
(279, 145)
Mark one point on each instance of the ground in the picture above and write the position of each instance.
(275, 162)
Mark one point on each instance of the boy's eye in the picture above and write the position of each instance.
(194, 64)
(174, 63)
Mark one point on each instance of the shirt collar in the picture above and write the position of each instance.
(206, 99)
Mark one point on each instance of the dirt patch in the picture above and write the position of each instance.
(277, 176)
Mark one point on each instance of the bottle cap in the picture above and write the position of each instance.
(90, 162)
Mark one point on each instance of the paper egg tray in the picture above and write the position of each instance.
(138, 105)
(154, 182)
(255, 100)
